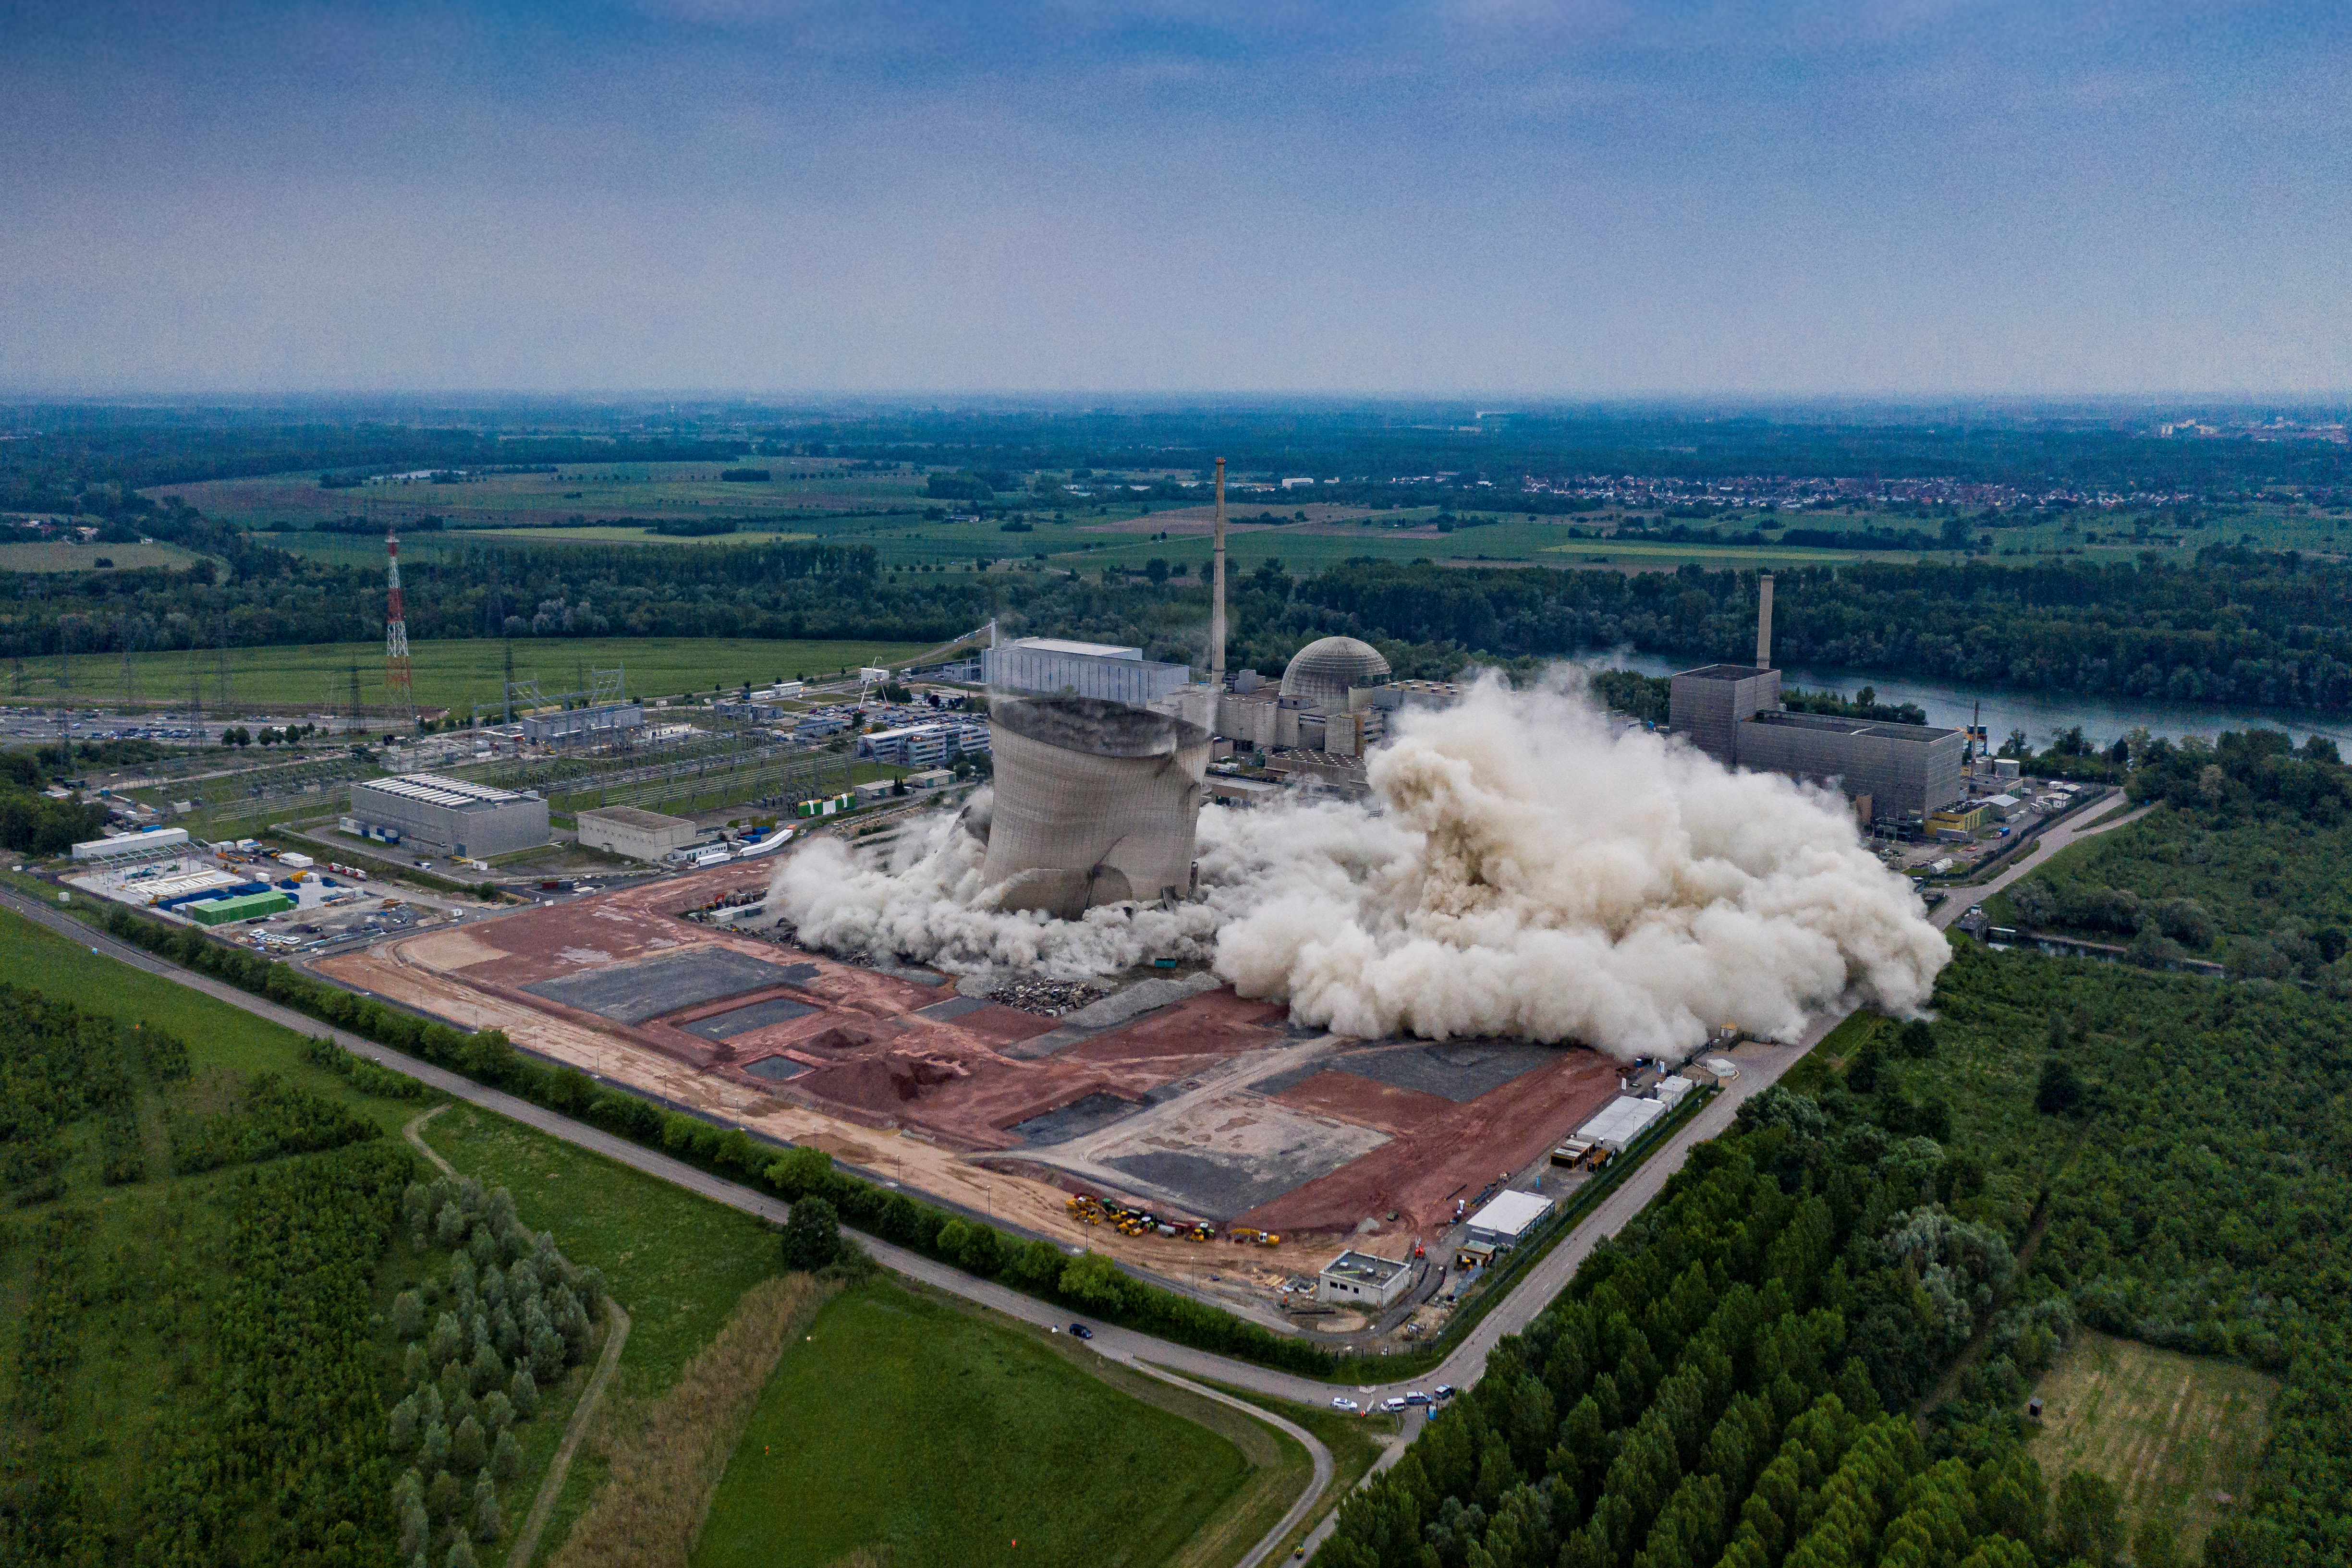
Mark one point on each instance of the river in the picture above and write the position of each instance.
(2039, 713)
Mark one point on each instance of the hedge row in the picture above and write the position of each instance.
(1090, 1283)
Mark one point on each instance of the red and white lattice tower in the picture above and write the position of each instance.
(399, 689)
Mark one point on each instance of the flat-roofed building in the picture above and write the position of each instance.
(1707, 703)
(455, 815)
(631, 831)
(579, 726)
(1360, 1279)
(1056, 666)
(1908, 771)
(131, 846)
(1508, 1218)
(1732, 712)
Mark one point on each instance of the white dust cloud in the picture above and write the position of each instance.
(1526, 867)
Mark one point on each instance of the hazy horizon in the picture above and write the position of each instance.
(1593, 201)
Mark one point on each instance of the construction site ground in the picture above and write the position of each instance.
(1205, 1106)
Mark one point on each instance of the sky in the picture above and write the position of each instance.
(1590, 198)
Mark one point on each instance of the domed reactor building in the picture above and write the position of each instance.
(1096, 802)
(1325, 671)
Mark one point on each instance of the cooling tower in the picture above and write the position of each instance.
(1096, 802)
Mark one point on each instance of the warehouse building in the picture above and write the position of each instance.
(579, 726)
(1508, 1219)
(454, 815)
(630, 830)
(244, 907)
(130, 846)
(1102, 670)
(1360, 1279)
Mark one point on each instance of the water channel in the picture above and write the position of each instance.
(2039, 713)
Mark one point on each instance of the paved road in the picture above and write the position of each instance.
(2098, 819)
(1757, 1071)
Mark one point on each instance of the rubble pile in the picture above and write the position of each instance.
(1050, 998)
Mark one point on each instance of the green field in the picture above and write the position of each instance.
(677, 1263)
(317, 678)
(2169, 1431)
(588, 491)
(49, 556)
(945, 1440)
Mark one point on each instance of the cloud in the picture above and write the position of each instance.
(1527, 868)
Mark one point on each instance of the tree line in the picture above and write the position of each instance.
(2230, 626)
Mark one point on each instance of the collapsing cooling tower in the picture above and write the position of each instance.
(1096, 802)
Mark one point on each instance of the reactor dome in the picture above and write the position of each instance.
(1325, 671)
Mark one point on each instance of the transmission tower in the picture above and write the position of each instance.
(510, 690)
(123, 627)
(358, 725)
(399, 689)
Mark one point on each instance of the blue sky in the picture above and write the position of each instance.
(1585, 199)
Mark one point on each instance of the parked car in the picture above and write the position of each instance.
(1393, 1406)
(1081, 1331)
(1417, 1397)
(1444, 1392)
(1344, 1403)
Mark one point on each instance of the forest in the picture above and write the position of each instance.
(1733, 1379)
(2231, 626)
(2243, 861)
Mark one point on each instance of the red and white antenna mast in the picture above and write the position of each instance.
(398, 687)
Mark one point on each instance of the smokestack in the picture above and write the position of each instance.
(1764, 622)
(1217, 602)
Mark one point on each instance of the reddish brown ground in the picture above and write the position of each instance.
(1441, 1151)
(877, 1069)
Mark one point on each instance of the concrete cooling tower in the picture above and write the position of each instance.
(1325, 671)
(1096, 802)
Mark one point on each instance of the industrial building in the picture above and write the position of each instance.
(128, 846)
(243, 906)
(1102, 670)
(582, 725)
(1509, 1219)
(1096, 803)
(1622, 1121)
(1323, 673)
(1896, 773)
(1360, 1279)
(639, 834)
(454, 815)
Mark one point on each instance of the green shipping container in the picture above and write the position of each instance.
(246, 906)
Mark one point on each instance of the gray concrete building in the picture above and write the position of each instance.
(1733, 713)
(453, 815)
(575, 726)
(632, 832)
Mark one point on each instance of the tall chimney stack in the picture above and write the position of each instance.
(1217, 600)
(1764, 622)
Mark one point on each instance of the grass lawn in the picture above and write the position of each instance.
(677, 1263)
(2169, 1431)
(943, 1438)
(1355, 1443)
(317, 678)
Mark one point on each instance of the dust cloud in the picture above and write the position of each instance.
(1526, 867)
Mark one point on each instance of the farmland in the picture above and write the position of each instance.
(317, 678)
(55, 556)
